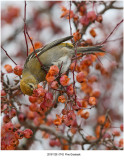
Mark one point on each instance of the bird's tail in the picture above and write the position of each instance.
(90, 49)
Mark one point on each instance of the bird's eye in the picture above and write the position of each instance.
(31, 86)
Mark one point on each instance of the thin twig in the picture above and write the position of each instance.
(25, 28)
(112, 32)
(8, 55)
(75, 54)
(70, 19)
(26, 32)
(74, 75)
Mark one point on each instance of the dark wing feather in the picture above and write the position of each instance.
(48, 46)
(54, 43)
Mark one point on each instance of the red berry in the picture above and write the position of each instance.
(40, 92)
(84, 21)
(13, 113)
(9, 127)
(77, 36)
(8, 68)
(64, 111)
(30, 115)
(121, 142)
(85, 115)
(48, 99)
(58, 143)
(9, 147)
(5, 108)
(42, 106)
(84, 103)
(49, 96)
(54, 85)
(92, 101)
(91, 16)
(72, 114)
(96, 93)
(14, 141)
(32, 99)
(122, 127)
(6, 118)
(116, 133)
(19, 134)
(70, 89)
(18, 70)
(21, 117)
(49, 78)
(62, 99)
(52, 143)
(3, 93)
(73, 66)
(28, 133)
(64, 80)
(33, 107)
(54, 70)
(37, 121)
(80, 77)
(93, 32)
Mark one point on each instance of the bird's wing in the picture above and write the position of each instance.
(48, 46)
(32, 55)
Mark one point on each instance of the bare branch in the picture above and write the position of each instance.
(112, 32)
(8, 55)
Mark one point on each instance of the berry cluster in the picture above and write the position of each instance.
(11, 134)
(17, 69)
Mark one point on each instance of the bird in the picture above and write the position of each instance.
(55, 53)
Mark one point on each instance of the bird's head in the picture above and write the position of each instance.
(28, 84)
